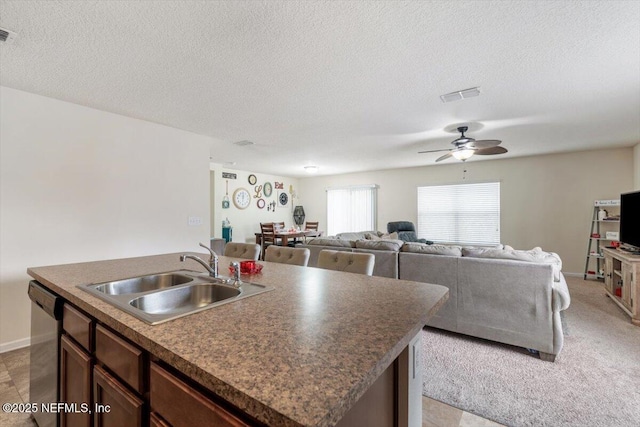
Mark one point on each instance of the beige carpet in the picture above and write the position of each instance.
(595, 380)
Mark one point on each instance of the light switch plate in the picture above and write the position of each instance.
(194, 220)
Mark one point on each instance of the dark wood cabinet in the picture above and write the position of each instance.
(107, 381)
(156, 421)
(181, 405)
(115, 405)
(78, 326)
(121, 357)
(75, 384)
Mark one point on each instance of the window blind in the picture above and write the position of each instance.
(462, 214)
(351, 209)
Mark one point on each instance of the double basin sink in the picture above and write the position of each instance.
(161, 297)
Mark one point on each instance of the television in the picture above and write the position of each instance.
(630, 220)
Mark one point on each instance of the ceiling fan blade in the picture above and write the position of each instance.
(433, 151)
(486, 143)
(490, 151)
(446, 156)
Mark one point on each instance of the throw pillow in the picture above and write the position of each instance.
(423, 248)
(536, 255)
(380, 245)
(390, 236)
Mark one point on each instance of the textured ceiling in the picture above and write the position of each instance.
(347, 86)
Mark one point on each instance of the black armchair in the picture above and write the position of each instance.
(406, 231)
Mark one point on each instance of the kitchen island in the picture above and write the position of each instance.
(304, 354)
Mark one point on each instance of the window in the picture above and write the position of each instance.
(351, 209)
(464, 214)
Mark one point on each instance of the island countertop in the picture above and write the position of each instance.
(300, 355)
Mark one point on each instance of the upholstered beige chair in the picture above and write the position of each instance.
(287, 255)
(242, 250)
(350, 262)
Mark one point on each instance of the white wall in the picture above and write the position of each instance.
(546, 201)
(78, 184)
(636, 167)
(246, 222)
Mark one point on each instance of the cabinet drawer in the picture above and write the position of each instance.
(121, 357)
(156, 421)
(75, 382)
(181, 405)
(78, 326)
(120, 407)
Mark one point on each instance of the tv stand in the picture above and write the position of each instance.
(630, 249)
(621, 281)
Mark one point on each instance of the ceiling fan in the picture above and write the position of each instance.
(465, 147)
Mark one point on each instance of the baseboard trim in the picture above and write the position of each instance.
(14, 345)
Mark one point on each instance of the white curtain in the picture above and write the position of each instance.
(351, 209)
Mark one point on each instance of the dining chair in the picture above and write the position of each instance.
(268, 236)
(349, 262)
(287, 255)
(242, 250)
(311, 226)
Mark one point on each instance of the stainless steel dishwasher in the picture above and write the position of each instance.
(46, 325)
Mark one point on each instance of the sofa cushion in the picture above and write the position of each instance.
(356, 235)
(380, 245)
(326, 241)
(533, 255)
(391, 236)
(423, 248)
(380, 236)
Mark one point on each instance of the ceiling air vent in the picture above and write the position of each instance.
(7, 36)
(243, 143)
(461, 94)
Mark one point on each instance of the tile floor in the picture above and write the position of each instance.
(14, 388)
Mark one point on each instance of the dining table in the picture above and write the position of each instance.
(283, 236)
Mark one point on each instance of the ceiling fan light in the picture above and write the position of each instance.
(311, 169)
(462, 154)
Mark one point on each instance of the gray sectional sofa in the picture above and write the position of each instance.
(500, 294)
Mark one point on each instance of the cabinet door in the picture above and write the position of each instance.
(75, 384)
(156, 421)
(608, 273)
(181, 405)
(115, 406)
(627, 270)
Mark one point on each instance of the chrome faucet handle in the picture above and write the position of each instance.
(213, 254)
(236, 273)
(213, 270)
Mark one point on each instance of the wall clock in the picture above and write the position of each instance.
(267, 189)
(260, 203)
(283, 198)
(241, 198)
(252, 179)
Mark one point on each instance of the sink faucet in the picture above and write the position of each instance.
(212, 266)
(236, 274)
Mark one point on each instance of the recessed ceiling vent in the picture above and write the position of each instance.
(461, 94)
(7, 36)
(243, 143)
